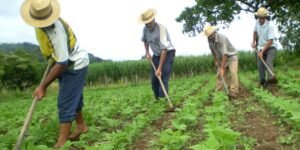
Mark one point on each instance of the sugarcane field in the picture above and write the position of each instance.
(149, 75)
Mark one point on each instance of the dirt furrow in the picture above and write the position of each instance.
(254, 120)
(143, 141)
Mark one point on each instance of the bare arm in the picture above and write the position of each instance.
(162, 61)
(267, 45)
(148, 56)
(222, 67)
(224, 60)
(56, 70)
(254, 40)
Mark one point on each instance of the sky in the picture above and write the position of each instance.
(110, 29)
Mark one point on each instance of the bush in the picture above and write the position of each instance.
(19, 70)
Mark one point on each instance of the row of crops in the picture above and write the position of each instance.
(120, 117)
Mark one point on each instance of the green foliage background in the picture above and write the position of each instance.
(222, 12)
(21, 66)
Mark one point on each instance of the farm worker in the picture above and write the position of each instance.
(156, 37)
(58, 42)
(263, 40)
(225, 58)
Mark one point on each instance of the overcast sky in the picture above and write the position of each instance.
(110, 29)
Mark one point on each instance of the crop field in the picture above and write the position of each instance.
(128, 117)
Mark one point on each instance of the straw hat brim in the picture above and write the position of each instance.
(25, 13)
(210, 32)
(261, 15)
(149, 19)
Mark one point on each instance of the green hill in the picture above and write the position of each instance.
(33, 49)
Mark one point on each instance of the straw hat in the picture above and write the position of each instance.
(208, 30)
(40, 13)
(262, 12)
(147, 16)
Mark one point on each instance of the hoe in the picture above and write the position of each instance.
(266, 65)
(172, 108)
(29, 114)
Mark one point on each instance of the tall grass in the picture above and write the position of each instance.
(125, 71)
(135, 71)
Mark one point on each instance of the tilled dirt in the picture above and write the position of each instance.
(143, 142)
(258, 123)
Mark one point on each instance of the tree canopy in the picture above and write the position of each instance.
(223, 12)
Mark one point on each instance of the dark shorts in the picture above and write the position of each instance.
(70, 98)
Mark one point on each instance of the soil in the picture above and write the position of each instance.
(158, 125)
(274, 89)
(296, 67)
(257, 123)
(148, 133)
(248, 117)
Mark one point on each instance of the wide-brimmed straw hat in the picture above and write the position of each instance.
(208, 30)
(147, 16)
(262, 12)
(40, 13)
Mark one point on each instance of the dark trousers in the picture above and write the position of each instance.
(268, 56)
(165, 76)
(70, 98)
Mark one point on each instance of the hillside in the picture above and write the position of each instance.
(34, 50)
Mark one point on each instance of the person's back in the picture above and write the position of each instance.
(59, 44)
(222, 46)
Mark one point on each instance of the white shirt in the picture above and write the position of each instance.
(58, 38)
(265, 32)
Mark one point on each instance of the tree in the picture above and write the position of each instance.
(1, 67)
(19, 70)
(223, 12)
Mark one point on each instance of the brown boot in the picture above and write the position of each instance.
(64, 133)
